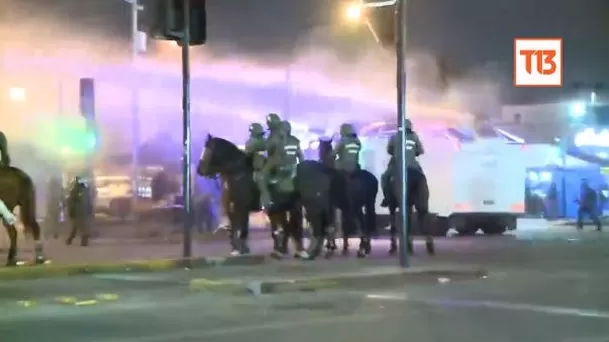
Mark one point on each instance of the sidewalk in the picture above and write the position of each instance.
(135, 255)
(118, 250)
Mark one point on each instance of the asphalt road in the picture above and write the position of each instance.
(546, 287)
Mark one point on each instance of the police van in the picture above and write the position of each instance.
(474, 184)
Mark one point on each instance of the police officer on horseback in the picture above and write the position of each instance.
(292, 148)
(414, 148)
(275, 150)
(346, 152)
(256, 147)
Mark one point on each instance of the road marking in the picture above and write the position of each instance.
(499, 305)
(26, 303)
(108, 297)
(246, 329)
(86, 302)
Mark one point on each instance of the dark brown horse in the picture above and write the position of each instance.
(355, 201)
(17, 190)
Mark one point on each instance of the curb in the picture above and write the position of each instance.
(350, 280)
(137, 266)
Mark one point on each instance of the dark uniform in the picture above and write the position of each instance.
(80, 211)
(55, 197)
(414, 148)
(293, 152)
(256, 147)
(588, 205)
(346, 152)
(275, 151)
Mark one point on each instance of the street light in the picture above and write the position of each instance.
(353, 13)
(16, 94)
(138, 44)
(356, 13)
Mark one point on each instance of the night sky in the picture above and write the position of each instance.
(467, 32)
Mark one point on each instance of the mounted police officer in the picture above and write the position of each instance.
(275, 151)
(292, 148)
(256, 147)
(346, 152)
(414, 148)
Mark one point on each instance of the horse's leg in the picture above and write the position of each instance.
(365, 237)
(316, 219)
(27, 211)
(422, 207)
(284, 233)
(233, 233)
(296, 231)
(244, 230)
(331, 226)
(409, 240)
(276, 235)
(11, 259)
(329, 233)
(345, 220)
(393, 230)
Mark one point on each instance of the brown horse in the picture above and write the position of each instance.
(17, 189)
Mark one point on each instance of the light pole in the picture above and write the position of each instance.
(400, 47)
(136, 47)
(355, 13)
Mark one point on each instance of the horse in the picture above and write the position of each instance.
(17, 189)
(311, 184)
(356, 202)
(418, 198)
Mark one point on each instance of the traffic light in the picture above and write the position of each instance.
(168, 20)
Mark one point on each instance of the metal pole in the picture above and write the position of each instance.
(187, 180)
(400, 52)
(135, 120)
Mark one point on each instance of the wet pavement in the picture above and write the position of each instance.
(545, 287)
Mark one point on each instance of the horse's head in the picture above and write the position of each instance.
(325, 150)
(219, 156)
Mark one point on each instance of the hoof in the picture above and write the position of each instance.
(301, 255)
(430, 247)
(41, 260)
(345, 251)
(361, 253)
(277, 255)
(329, 254)
(393, 250)
(235, 252)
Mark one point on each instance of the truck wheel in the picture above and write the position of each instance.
(466, 229)
(494, 229)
